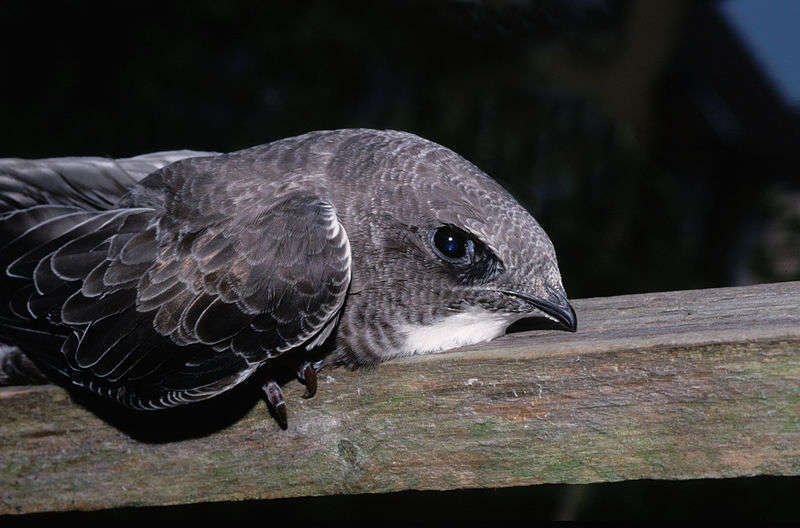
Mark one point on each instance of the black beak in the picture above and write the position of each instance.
(559, 308)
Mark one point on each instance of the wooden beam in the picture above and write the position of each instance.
(676, 385)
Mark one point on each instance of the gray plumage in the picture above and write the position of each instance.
(171, 277)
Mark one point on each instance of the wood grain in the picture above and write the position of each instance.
(675, 385)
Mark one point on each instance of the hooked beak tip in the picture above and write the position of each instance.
(570, 320)
(562, 311)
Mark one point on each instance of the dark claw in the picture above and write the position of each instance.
(308, 376)
(277, 403)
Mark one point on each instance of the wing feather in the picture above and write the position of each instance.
(174, 301)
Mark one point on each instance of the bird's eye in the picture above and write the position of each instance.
(451, 244)
(467, 258)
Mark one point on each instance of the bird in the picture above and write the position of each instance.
(169, 278)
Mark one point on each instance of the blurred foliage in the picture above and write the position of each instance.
(775, 256)
(88, 80)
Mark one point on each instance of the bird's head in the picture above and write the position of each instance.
(443, 256)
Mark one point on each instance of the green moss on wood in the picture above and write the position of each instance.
(651, 393)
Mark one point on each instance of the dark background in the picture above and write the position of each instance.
(643, 135)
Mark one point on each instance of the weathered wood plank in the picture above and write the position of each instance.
(669, 385)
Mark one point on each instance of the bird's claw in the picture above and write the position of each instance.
(277, 403)
(307, 375)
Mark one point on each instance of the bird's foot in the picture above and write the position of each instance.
(277, 403)
(307, 375)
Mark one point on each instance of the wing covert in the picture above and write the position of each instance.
(262, 282)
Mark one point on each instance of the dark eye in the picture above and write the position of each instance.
(451, 244)
(467, 258)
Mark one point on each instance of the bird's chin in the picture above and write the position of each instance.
(466, 328)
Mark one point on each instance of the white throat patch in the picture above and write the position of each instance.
(457, 330)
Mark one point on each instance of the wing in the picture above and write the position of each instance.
(158, 308)
(88, 182)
